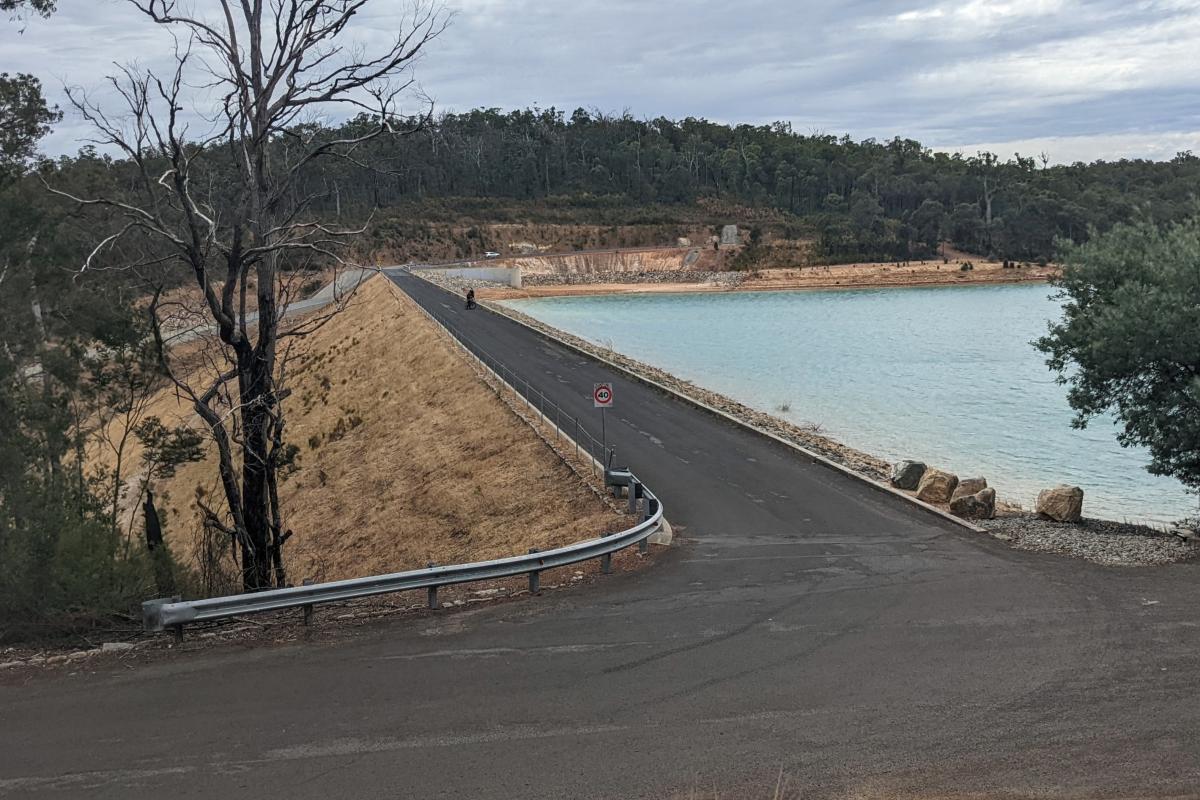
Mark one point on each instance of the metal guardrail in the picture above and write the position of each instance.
(158, 615)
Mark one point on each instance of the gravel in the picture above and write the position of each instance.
(1097, 540)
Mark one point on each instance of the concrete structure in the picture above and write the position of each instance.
(729, 236)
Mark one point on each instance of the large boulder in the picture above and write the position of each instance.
(936, 486)
(907, 474)
(968, 486)
(980, 505)
(1062, 503)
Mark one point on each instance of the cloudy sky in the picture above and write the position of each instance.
(1076, 80)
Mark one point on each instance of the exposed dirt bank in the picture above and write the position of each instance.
(626, 260)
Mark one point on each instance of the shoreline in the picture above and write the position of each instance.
(1100, 541)
(832, 278)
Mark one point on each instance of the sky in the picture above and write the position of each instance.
(1074, 80)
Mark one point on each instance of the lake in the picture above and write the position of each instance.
(943, 375)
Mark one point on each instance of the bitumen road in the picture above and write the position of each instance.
(803, 624)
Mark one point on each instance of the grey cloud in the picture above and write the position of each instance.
(945, 73)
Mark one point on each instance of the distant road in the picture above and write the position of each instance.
(804, 623)
(347, 281)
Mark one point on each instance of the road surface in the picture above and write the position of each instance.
(805, 624)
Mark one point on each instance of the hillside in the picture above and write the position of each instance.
(406, 457)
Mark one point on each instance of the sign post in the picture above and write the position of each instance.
(602, 398)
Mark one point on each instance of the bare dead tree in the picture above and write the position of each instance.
(226, 205)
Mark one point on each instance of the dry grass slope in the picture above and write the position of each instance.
(406, 457)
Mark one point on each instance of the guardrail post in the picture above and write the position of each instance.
(178, 629)
(633, 495)
(433, 601)
(535, 577)
(308, 608)
(606, 563)
(648, 509)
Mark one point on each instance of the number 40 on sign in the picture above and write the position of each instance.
(602, 395)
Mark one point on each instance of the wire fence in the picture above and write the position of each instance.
(565, 424)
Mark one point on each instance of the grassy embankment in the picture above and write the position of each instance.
(406, 456)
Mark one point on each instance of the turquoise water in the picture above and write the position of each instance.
(943, 375)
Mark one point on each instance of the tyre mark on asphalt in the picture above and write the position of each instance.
(738, 631)
(492, 652)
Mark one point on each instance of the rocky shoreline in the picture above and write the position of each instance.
(1099, 541)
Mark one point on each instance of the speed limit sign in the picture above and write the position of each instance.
(602, 395)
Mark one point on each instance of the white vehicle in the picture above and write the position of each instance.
(491, 254)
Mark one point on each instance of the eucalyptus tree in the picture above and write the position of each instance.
(225, 204)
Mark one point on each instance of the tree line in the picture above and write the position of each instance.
(856, 199)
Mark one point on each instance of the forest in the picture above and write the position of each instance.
(857, 200)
